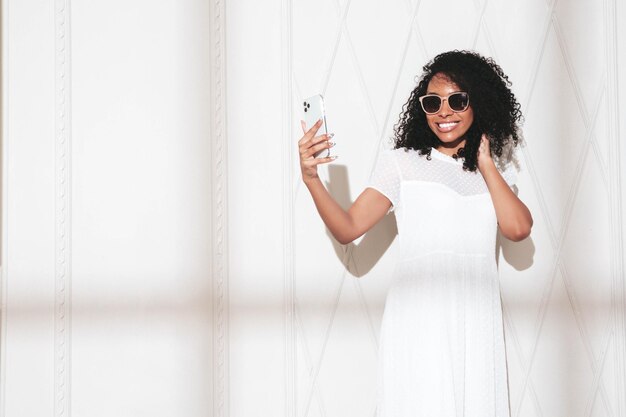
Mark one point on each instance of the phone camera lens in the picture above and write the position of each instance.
(305, 110)
(308, 105)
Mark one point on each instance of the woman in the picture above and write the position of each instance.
(448, 180)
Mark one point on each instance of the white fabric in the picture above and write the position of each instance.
(442, 341)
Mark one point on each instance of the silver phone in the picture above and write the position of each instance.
(313, 110)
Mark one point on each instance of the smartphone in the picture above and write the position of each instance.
(313, 110)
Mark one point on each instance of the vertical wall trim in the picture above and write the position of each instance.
(62, 108)
(5, 169)
(615, 202)
(288, 200)
(220, 210)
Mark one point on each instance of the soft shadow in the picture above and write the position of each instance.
(519, 255)
(359, 258)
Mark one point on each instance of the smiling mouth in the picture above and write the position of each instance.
(447, 126)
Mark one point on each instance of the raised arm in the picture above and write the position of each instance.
(344, 225)
(514, 218)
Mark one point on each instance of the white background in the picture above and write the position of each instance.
(106, 281)
(160, 258)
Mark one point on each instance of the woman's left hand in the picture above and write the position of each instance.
(484, 153)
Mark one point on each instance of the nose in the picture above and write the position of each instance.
(445, 109)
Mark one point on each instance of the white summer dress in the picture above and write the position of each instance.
(442, 340)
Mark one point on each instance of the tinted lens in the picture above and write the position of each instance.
(431, 104)
(458, 101)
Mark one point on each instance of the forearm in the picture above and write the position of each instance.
(337, 220)
(345, 226)
(514, 218)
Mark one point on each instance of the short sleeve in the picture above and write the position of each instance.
(386, 177)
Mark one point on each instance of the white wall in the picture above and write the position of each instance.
(107, 209)
(304, 328)
(159, 258)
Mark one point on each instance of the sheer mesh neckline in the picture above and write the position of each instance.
(445, 157)
(409, 167)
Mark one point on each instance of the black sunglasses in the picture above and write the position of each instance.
(458, 102)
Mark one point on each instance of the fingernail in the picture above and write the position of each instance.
(330, 135)
(335, 156)
(331, 144)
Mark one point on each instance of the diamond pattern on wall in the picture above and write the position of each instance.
(559, 133)
(435, 18)
(364, 56)
(568, 376)
(580, 26)
(588, 265)
(600, 141)
(517, 42)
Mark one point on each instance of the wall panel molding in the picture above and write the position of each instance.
(615, 201)
(63, 219)
(288, 211)
(220, 210)
(105, 285)
(3, 204)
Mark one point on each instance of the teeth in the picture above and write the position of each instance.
(446, 125)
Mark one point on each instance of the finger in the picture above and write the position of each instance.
(303, 125)
(316, 148)
(318, 161)
(326, 159)
(310, 133)
(307, 144)
(323, 137)
(313, 130)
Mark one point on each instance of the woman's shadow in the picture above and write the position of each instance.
(360, 258)
(519, 255)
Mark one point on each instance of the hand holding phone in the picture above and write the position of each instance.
(314, 146)
(313, 110)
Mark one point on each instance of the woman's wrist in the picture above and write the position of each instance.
(486, 164)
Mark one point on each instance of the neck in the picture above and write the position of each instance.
(451, 148)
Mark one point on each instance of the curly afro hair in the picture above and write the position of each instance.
(496, 111)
